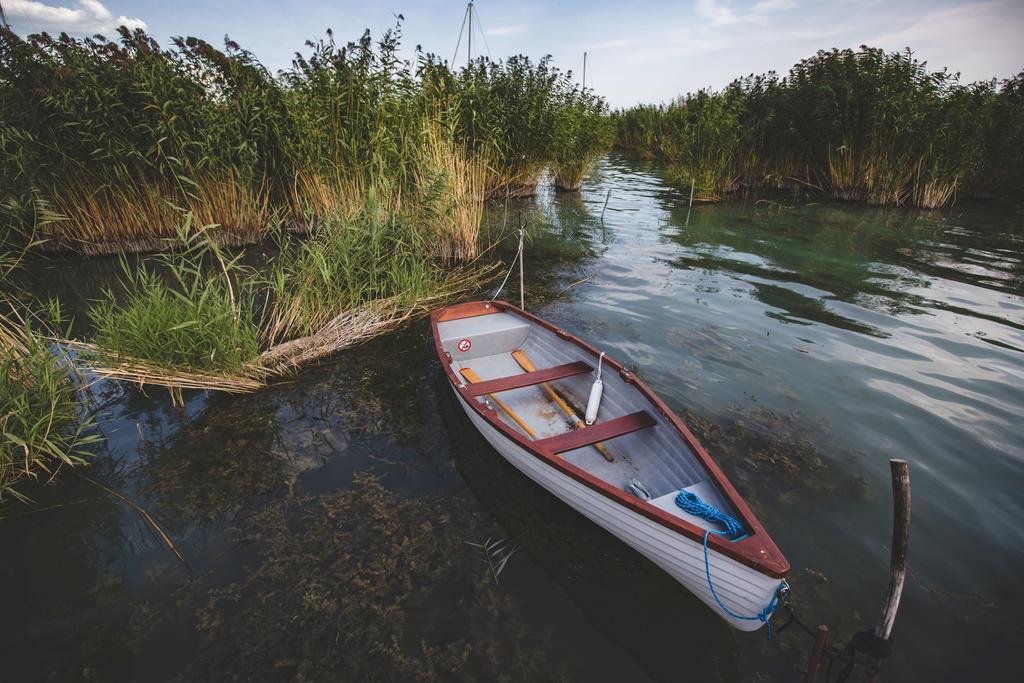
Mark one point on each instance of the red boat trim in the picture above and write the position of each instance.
(756, 550)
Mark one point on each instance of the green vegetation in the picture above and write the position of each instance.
(522, 117)
(181, 317)
(103, 144)
(40, 428)
(382, 163)
(199, 319)
(860, 125)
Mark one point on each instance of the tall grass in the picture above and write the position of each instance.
(104, 143)
(522, 116)
(182, 317)
(41, 428)
(346, 263)
(197, 318)
(861, 125)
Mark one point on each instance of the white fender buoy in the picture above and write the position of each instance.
(595, 394)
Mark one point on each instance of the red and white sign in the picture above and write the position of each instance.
(464, 345)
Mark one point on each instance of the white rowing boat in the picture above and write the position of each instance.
(519, 379)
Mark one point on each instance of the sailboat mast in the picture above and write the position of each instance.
(469, 42)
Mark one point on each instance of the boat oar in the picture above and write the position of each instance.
(472, 378)
(526, 364)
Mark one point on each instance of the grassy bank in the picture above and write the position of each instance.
(196, 317)
(41, 429)
(103, 144)
(861, 125)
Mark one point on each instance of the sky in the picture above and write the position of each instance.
(637, 52)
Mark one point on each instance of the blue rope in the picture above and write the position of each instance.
(691, 503)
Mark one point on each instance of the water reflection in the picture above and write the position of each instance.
(326, 517)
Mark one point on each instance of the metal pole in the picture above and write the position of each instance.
(900, 470)
(469, 42)
(584, 70)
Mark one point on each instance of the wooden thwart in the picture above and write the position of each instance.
(602, 431)
(528, 379)
(525, 362)
(474, 379)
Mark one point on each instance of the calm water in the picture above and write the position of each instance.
(327, 520)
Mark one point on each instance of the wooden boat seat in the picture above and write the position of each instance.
(602, 431)
(527, 379)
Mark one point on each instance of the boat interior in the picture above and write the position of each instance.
(539, 383)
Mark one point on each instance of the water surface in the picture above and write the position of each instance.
(327, 521)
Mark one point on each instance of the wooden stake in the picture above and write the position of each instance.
(814, 663)
(898, 553)
(522, 291)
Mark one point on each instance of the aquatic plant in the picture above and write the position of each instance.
(41, 426)
(583, 132)
(184, 316)
(521, 116)
(495, 553)
(362, 584)
(103, 143)
(197, 318)
(861, 125)
(348, 262)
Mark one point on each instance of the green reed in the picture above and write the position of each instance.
(194, 311)
(860, 125)
(41, 428)
(102, 143)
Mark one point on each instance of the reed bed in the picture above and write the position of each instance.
(41, 429)
(859, 125)
(104, 142)
(384, 165)
(199, 319)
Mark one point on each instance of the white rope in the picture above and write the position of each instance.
(459, 42)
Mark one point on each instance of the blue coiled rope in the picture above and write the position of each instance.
(734, 531)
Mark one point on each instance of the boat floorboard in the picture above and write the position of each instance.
(546, 419)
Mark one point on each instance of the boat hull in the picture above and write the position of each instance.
(742, 589)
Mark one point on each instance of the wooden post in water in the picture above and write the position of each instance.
(522, 236)
(814, 663)
(898, 553)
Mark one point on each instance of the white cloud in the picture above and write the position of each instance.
(507, 30)
(721, 13)
(608, 44)
(718, 13)
(979, 39)
(89, 16)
